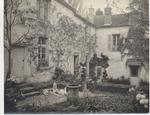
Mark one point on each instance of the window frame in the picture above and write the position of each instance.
(115, 41)
(42, 53)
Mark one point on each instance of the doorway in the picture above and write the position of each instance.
(18, 62)
(76, 64)
(134, 75)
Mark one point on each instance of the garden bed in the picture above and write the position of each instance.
(109, 87)
(110, 103)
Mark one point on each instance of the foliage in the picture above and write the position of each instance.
(108, 87)
(139, 99)
(66, 36)
(96, 61)
(138, 41)
(14, 15)
(143, 83)
(142, 8)
(121, 80)
(58, 72)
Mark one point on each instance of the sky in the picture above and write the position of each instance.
(103, 3)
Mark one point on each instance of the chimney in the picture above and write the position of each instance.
(108, 20)
(91, 11)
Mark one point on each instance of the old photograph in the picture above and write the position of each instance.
(76, 56)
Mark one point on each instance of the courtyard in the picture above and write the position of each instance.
(103, 103)
(97, 98)
(61, 57)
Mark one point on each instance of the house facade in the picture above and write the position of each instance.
(36, 54)
(102, 33)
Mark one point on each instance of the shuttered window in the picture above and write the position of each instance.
(115, 43)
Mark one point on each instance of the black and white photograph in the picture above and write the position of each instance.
(76, 56)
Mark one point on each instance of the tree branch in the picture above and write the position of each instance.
(22, 37)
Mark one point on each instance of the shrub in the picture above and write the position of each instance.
(139, 100)
(118, 81)
(142, 83)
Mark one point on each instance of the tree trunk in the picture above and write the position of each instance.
(9, 64)
(58, 60)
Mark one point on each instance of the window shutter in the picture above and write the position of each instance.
(47, 53)
(109, 43)
(123, 38)
(38, 8)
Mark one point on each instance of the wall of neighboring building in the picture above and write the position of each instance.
(104, 41)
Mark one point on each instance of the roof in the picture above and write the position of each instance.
(133, 62)
(117, 20)
(67, 5)
(135, 33)
(75, 12)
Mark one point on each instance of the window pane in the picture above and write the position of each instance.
(39, 42)
(114, 41)
(43, 50)
(39, 50)
(43, 41)
(39, 56)
(43, 56)
(118, 35)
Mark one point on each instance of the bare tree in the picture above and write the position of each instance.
(12, 16)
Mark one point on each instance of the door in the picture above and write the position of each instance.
(134, 75)
(18, 58)
(76, 64)
(99, 73)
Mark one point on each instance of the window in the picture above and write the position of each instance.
(98, 71)
(42, 6)
(42, 41)
(39, 7)
(115, 43)
(42, 52)
(45, 10)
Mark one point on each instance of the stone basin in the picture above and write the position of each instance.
(73, 93)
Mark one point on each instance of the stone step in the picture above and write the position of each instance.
(27, 89)
(21, 85)
(31, 94)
